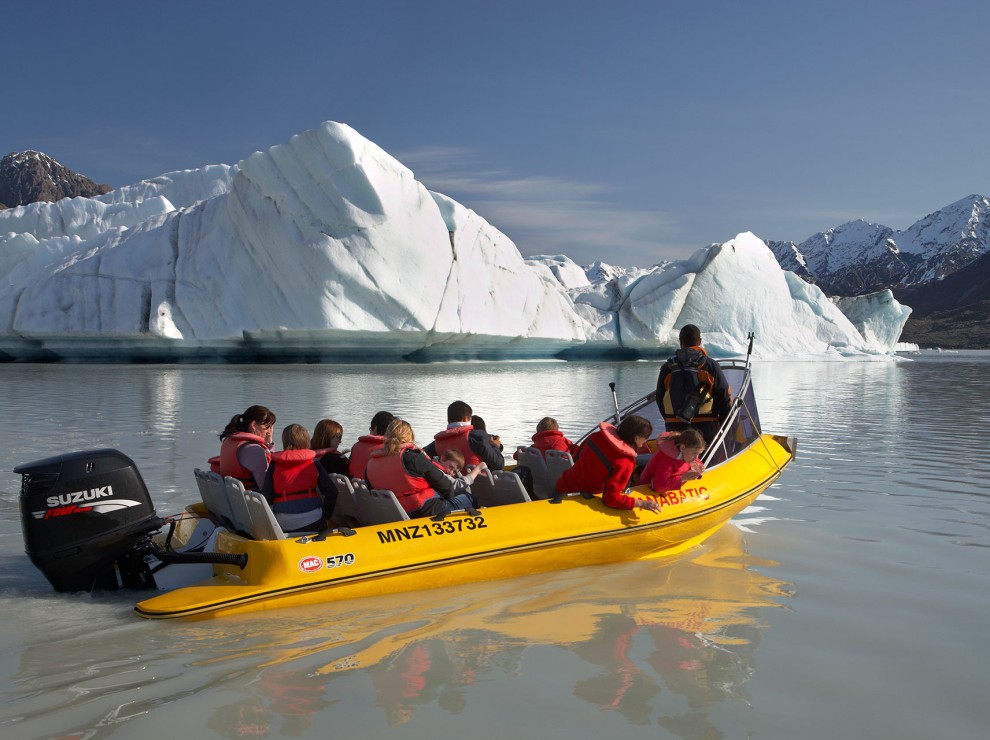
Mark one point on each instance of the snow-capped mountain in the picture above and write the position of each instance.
(859, 257)
(29, 177)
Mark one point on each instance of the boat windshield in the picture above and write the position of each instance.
(740, 429)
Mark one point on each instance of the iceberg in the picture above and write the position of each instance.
(327, 248)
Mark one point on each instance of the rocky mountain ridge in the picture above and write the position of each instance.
(860, 257)
(939, 266)
(30, 177)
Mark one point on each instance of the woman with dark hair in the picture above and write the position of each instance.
(605, 462)
(326, 443)
(422, 487)
(245, 447)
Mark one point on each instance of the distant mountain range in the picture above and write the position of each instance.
(940, 265)
(29, 177)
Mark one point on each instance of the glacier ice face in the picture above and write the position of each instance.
(327, 247)
(878, 317)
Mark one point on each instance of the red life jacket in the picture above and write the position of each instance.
(553, 439)
(230, 465)
(599, 453)
(457, 438)
(294, 476)
(388, 472)
(671, 450)
(361, 452)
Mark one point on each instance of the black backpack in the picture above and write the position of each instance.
(688, 384)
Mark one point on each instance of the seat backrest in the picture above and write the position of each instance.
(483, 487)
(214, 495)
(345, 512)
(264, 525)
(532, 458)
(507, 488)
(238, 505)
(376, 506)
(557, 462)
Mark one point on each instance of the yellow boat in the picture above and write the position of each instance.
(492, 542)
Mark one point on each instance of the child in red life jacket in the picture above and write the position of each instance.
(297, 487)
(605, 462)
(676, 460)
(549, 437)
(326, 444)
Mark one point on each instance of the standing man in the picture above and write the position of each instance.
(691, 389)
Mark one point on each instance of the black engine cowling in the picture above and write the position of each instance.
(86, 518)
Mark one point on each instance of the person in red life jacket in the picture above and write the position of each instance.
(326, 443)
(422, 486)
(300, 492)
(605, 462)
(475, 444)
(368, 443)
(245, 447)
(692, 389)
(676, 460)
(549, 437)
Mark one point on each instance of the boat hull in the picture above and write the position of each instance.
(497, 543)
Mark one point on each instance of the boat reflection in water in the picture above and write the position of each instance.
(690, 625)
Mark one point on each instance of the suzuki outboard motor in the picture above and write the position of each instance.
(86, 519)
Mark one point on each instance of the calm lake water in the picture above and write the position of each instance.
(851, 602)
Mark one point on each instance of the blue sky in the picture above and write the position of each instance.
(629, 132)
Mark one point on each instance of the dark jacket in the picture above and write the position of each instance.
(721, 394)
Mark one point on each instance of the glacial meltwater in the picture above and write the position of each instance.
(851, 601)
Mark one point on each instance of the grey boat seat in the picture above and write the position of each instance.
(345, 512)
(376, 506)
(214, 495)
(532, 458)
(498, 488)
(557, 462)
(245, 512)
(252, 514)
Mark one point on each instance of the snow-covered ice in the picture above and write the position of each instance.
(327, 247)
